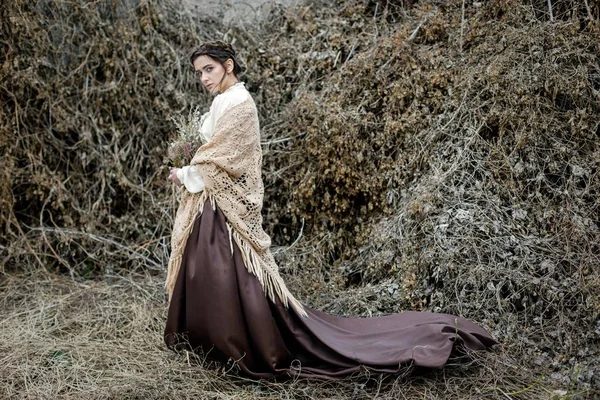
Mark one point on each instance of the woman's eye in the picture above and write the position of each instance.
(208, 69)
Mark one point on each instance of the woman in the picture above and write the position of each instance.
(226, 296)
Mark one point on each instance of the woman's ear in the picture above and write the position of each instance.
(229, 65)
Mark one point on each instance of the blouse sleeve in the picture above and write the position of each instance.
(191, 179)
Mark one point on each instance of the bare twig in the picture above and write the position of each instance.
(462, 25)
(97, 238)
(589, 11)
(414, 33)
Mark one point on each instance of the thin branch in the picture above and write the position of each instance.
(589, 11)
(100, 239)
(462, 26)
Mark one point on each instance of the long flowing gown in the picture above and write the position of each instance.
(220, 309)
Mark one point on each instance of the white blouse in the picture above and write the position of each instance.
(234, 95)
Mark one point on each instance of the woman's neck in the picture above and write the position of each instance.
(227, 83)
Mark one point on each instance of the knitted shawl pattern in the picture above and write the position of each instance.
(230, 166)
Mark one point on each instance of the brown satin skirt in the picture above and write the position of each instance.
(220, 310)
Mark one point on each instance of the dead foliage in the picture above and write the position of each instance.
(451, 164)
(87, 90)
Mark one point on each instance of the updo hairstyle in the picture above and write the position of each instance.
(219, 51)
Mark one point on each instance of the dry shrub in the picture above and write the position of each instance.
(87, 90)
(451, 164)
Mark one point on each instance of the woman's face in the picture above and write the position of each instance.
(214, 77)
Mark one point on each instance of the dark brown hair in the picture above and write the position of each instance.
(219, 51)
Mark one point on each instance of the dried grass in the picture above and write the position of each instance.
(102, 340)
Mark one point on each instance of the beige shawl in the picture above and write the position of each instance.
(230, 166)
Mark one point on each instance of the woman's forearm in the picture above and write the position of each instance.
(191, 179)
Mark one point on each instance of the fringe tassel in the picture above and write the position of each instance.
(230, 231)
(267, 276)
(177, 254)
(261, 266)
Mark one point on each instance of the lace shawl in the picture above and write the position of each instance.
(230, 166)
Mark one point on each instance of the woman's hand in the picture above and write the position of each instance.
(173, 176)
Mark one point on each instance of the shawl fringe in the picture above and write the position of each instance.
(179, 246)
(271, 282)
